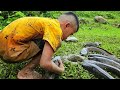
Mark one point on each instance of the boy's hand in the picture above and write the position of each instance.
(61, 65)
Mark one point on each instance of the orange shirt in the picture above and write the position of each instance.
(17, 37)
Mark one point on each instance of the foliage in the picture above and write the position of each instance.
(107, 34)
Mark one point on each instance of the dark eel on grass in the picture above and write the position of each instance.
(106, 66)
(111, 57)
(103, 60)
(96, 70)
(94, 44)
(106, 61)
(86, 50)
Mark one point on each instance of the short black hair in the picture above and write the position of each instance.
(76, 18)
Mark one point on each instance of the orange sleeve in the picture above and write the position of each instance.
(53, 34)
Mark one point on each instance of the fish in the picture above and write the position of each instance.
(56, 60)
(94, 44)
(106, 67)
(96, 70)
(106, 61)
(111, 57)
(86, 50)
(71, 39)
(73, 58)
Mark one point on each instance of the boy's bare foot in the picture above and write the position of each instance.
(29, 74)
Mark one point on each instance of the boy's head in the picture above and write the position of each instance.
(69, 24)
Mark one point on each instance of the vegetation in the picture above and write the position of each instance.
(108, 34)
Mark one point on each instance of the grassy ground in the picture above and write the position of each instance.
(107, 34)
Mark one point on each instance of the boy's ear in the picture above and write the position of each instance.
(67, 24)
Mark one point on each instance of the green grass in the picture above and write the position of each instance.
(109, 37)
(107, 34)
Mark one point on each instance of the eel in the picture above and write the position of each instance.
(96, 70)
(86, 50)
(111, 57)
(55, 60)
(73, 58)
(105, 66)
(106, 61)
(71, 39)
(94, 44)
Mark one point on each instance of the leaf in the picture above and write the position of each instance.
(1, 17)
(19, 14)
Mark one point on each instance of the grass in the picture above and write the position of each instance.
(110, 39)
(107, 34)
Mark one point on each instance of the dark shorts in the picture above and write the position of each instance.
(40, 43)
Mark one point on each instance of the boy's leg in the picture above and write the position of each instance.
(28, 71)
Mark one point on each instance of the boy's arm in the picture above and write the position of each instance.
(46, 61)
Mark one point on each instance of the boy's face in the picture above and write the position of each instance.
(68, 30)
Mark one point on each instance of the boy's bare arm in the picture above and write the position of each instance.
(46, 61)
